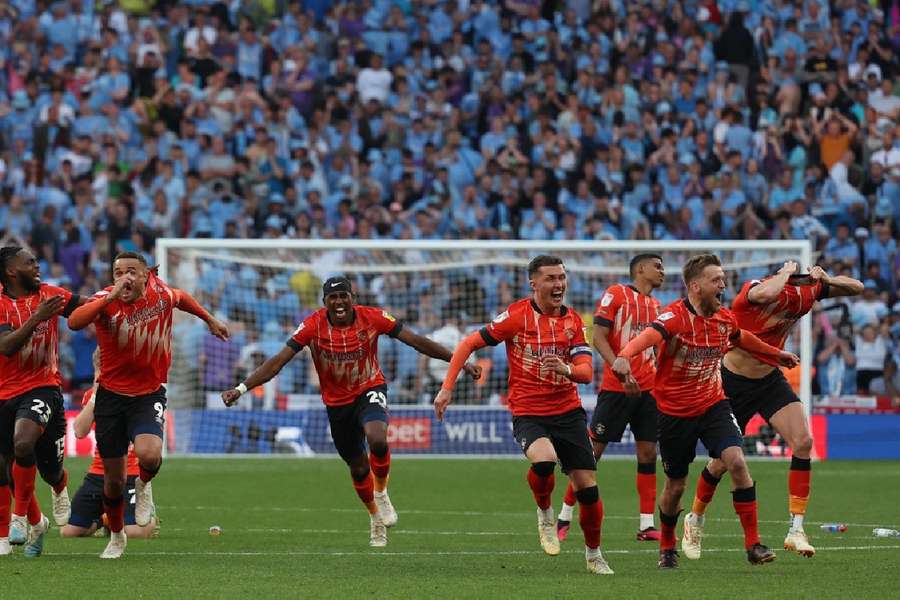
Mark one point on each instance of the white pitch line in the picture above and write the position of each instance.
(470, 513)
(445, 552)
(430, 532)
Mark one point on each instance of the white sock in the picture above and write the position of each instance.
(646, 521)
(380, 494)
(797, 522)
(590, 553)
(565, 513)
(547, 515)
(695, 519)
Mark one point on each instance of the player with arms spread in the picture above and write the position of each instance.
(697, 332)
(32, 415)
(770, 308)
(548, 357)
(134, 332)
(343, 340)
(622, 313)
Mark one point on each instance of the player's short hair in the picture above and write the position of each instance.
(639, 258)
(135, 255)
(7, 253)
(695, 265)
(542, 260)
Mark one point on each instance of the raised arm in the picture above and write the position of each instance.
(187, 303)
(88, 312)
(767, 291)
(265, 372)
(11, 340)
(839, 285)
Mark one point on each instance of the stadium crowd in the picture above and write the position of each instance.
(122, 122)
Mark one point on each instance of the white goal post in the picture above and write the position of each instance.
(265, 286)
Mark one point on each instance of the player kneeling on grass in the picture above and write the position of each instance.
(87, 505)
(769, 308)
(343, 341)
(548, 356)
(695, 333)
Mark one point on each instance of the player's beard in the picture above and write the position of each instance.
(30, 283)
(711, 305)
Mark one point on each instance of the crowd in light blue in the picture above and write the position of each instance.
(124, 121)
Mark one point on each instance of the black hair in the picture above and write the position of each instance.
(542, 260)
(135, 255)
(7, 253)
(639, 258)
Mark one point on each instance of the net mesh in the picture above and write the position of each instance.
(264, 291)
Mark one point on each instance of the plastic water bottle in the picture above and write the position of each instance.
(884, 532)
(834, 527)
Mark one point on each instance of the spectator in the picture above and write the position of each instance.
(461, 121)
(871, 354)
(870, 309)
(835, 133)
(836, 363)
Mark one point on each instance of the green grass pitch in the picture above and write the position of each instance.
(293, 528)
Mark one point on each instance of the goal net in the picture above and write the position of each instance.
(442, 289)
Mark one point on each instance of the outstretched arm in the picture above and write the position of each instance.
(470, 344)
(768, 290)
(266, 371)
(187, 303)
(429, 347)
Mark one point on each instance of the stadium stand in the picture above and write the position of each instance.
(122, 122)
